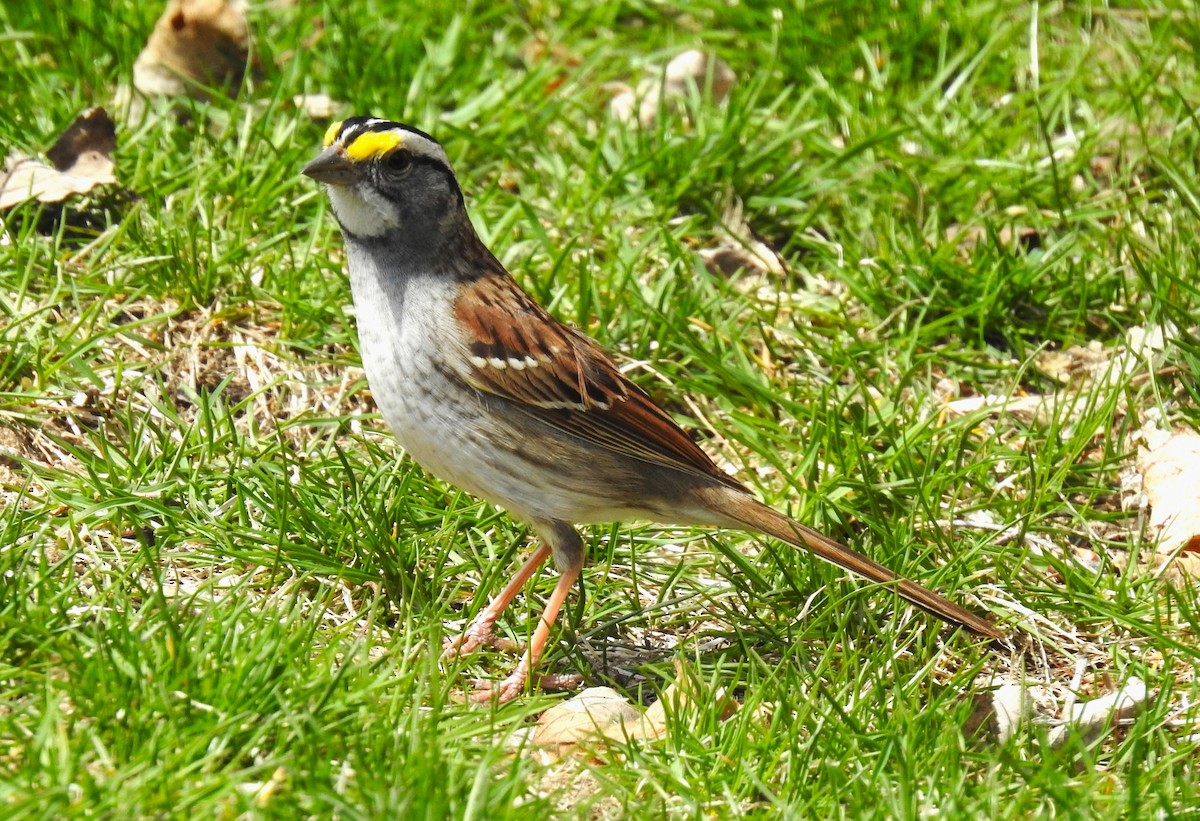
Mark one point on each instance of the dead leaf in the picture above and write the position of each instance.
(539, 52)
(1002, 710)
(196, 45)
(1012, 238)
(1176, 571)
(594, 712)
(1078, 364)
(316, 106)
(727, 260)
(1089, 719)
(683, 694)
(739, 249)
(600, 713)
(81, 160)
(1030, 404)
(708, 75)
(1011, 707)
(1170, 468)
(999, 713)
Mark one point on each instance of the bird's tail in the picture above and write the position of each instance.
(746, 512)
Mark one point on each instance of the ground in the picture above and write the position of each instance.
(924, 278)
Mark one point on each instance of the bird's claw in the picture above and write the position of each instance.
(466, 642)
(502, 692)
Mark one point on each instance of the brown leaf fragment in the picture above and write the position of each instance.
(1183, 569)
(600, 713)
(1090, 719)
(81, 159)
(1177, 571)
(558, 59)
(316, 106)
(740, 249)
(1077, 364)
(1010, 238)
(1030, 404)
(1170, 468)
(707, 72)
(595, 712)
(196, 45)
(709, 75)
(999, 713)
(85, 148)
(728, 259)
(683, 694)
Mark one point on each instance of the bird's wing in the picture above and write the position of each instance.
(517, 351)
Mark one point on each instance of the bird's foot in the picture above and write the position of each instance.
(501, 692)
(479, 634)
(558, 682)
(484, 691)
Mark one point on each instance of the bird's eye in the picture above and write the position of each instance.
(398, 161)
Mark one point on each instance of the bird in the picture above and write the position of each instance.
(487, 391)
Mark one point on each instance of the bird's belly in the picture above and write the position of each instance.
(399, 324)
(475, 441)
(435, 428)
(456, 435)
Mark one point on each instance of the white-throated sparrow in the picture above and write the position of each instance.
(487, 391)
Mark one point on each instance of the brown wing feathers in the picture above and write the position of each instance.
(521, 353)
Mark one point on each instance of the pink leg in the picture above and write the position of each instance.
(480, 630)
(511, 687)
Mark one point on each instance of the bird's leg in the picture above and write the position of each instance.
(511, 687)
(480, 631)
(568, 557)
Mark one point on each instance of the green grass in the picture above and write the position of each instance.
(223, 589)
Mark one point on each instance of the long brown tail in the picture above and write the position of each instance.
(753, 515)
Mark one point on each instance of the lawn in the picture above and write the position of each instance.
(224, 589)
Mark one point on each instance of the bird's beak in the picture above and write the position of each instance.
(333, 167)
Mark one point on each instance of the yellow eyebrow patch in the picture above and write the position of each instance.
(374, 144)
(331, 134)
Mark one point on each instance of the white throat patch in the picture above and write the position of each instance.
(362, 211)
